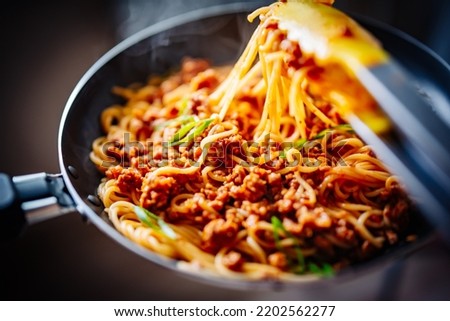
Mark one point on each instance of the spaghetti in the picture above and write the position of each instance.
(250, 171)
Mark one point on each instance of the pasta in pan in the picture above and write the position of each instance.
(249, 171)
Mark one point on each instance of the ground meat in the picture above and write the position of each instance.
(262, 208)
(251, 220)
(345, 233)
(207, 79)
(157, 191)
(395, 213)
(218, 198)
(391, 236)
(275, 183)
(191, 67)
(367, 250)
(253, 188)
(217, 234)
(238, 175)
(116, 154)
(233, 260)
(129, 179)
(285, 206)
(279, 260)
(324, 246)
(114, 172)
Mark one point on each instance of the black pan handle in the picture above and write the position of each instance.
(30, 199)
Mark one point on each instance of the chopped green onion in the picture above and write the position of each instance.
(278, 226)
(196, 131)
(299, 143)
(183, 119)
(182, 132)
(326, 270)
(345, 127)
(183, 108)
(276, 223)
(154, 221)
(314, 268)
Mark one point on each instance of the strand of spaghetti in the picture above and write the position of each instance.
(218, 178)
(364, 218)
(374, 192)
(354, 207)
(262, 11)
(111, 194)
(168, 170)
(364, 232)
(192, 253)
(289, 129)
(264, 228)
(190, 188)
(179, 199)
(212, 138)
(206, 207)
(135, 195)
(257, 251)
(327, 182)
(283, 88)
(259, 90)
(188, 233)
(221, 267)
(110, 116)
(268, 41)
(266, 73)
(360, 157)
(340, 194)
(362, 198)
(133, 229)
(391, 182)
(316, 111)
(309, 190)
(367, 176)
(277, 107)
(269, 116)
(242, 66)
(179, 246)
(205, 172)
(253, 73)
(338, 242)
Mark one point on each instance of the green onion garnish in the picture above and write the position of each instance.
(183, 119)
(345, 127)
(194, 132)
(183, 108)
(278, 226)
(182, 132)
(299, 143)
(154, 221)
(326, 270)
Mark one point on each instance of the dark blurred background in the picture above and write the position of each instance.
(46, 48)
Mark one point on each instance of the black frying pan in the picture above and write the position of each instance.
(219, 34)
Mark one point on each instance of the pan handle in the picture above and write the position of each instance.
(29, 199)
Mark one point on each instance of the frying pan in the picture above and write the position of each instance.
(218, 34)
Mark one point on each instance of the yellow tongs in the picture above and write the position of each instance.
(405, 130)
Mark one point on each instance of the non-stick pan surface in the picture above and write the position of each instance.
(218, 34)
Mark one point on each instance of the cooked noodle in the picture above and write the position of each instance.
(251, 172)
